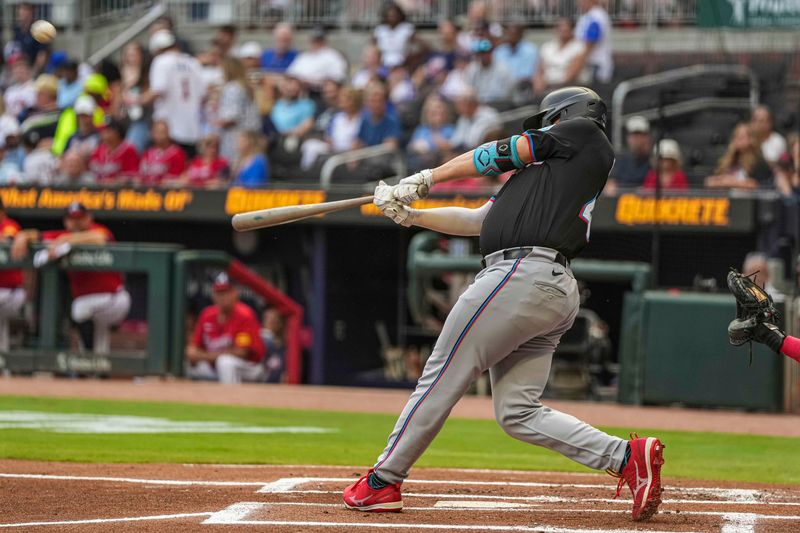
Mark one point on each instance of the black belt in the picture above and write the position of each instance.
(516, 253)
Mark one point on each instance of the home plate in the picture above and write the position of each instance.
(481, 505)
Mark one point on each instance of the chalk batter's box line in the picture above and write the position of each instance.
(552, 499)
(443, 505)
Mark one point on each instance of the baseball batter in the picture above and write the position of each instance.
(511, 318)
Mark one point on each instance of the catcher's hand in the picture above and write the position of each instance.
(756, 316)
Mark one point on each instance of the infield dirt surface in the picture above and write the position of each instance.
(101, 497)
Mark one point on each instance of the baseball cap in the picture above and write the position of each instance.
(160, 40)
(85, 105)
(46, 83)
(250, 49)
(669, 149)
(222, 282)
(637, 124)
(76, 210)
(482, 45)
(96, 84)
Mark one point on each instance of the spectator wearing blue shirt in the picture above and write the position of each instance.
(378, 126)
(431, 139)
(278, 59)
(293, 114)
(252, 168)
(70, 86)
(35, 52)
(520, 57)
(594, 30)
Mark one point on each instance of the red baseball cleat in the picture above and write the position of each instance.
(361, 497)
(643, 476)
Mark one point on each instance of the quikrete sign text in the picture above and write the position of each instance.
(635, 210)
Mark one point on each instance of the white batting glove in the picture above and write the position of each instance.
(382, 195)
(399, 213)
(414, 187)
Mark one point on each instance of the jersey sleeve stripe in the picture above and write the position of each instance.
(530, 145)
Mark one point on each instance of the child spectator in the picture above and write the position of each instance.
(208, 170)
(115, 160)
(251, 169)
(742, 165)
(670, 168)
(164, 162)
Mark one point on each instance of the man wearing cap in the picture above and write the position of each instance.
(632, 167)
(12, 292)
(87, 138)
(14, 154)
(99, 298)
(226, 344)
(115, 160)
(319, 63)
(95, 87)
(491, 80)
(177, 89)
(70, 86)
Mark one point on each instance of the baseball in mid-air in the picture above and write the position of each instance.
(43, 31)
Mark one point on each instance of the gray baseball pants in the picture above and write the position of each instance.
(508, 321)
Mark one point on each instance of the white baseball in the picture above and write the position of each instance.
(43, 31)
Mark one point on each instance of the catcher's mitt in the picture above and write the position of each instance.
(753, 308)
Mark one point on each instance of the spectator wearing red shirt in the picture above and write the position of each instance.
(226, 344)
(670, 168)
(208, 170)
(115, 161)
(12, 292)
(99, 298)
(164, 162)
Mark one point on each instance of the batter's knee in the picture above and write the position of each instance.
(516, 420)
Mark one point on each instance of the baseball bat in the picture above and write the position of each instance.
(265, 218)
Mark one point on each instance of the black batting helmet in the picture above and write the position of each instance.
(568, 103)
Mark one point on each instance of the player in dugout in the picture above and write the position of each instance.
(226, 344)
(12, 291)
(99, 298)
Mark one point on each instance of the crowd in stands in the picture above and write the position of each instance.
(239, 114)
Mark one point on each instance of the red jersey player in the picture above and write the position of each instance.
(12, 292)
(226, 344)
(99, 298)
(115, 160)
(165, 161)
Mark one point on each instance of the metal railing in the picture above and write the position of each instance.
(670, 77)
(362, 154)
(350, 13)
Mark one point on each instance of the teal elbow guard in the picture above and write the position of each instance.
(494, 158)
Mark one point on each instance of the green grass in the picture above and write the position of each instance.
(360, 437)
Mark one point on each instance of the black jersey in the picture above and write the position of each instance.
(549, 203)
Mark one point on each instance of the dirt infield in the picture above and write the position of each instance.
(392, 401)
(74, 497)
